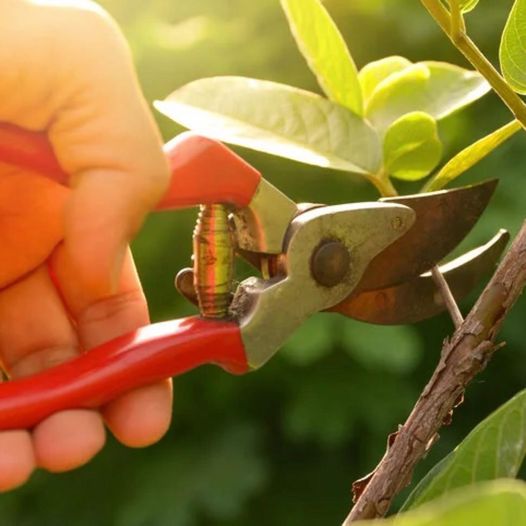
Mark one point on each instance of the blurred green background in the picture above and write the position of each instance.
(283, 445)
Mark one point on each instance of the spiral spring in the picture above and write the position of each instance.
(213, 261)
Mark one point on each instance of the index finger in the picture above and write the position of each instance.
(89, 102)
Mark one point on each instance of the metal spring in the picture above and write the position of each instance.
(213, 261)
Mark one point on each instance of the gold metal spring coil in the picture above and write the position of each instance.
(213, 261)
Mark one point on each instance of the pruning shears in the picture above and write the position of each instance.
(369, 261)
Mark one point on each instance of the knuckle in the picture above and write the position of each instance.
(84, 29)
(158, 177)
(90, 18)
(113, 308)
(41, 360)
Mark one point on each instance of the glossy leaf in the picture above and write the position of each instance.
(324, 49)
(276, 119)
(436, 88)
(471, 155)
(372, 74)
(513, 48)
(501, 503)
(496, 448)
(412, 147)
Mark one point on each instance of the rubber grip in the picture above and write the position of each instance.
(30, 150)
(203, 170)
(142, 357)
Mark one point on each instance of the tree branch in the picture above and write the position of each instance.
(462, 358)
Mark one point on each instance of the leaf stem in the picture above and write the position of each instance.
(467, 47)
(458, 25)
(383, 184)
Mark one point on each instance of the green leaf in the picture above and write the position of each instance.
(412, 147)
(471, 155)
(466, 5)
(513, 48)
(436, 88)
(325, 51)
(276, 119)
(496, 448)
(498, 503)
(372, 74)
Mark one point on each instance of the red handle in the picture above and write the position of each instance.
(204, 171)
(147, 355)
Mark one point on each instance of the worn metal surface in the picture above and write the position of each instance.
(261, 226)
(184, 283)
(268, 311)
(418, 299)
(443, 219)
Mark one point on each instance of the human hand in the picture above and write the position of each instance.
(67, 280)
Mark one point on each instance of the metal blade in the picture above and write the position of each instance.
(418, 299)
(443, 219)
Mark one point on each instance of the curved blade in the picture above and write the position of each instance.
(418, 299)
(443, 219)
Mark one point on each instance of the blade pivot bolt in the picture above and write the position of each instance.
(330, 263)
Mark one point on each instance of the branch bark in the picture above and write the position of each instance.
(462, 358)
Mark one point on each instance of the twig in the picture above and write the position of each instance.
(453, 25)
(383, 184)
(447, 296)
(468, 48)
(457, 25)
(462, 358)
